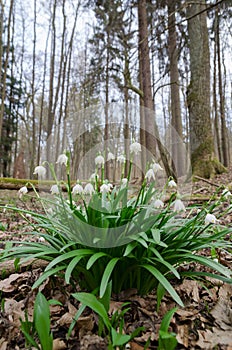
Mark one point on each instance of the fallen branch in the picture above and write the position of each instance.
(8, 267)
(207, 181)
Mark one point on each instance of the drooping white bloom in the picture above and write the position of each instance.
(89, 189)
(40, 171)
(54, 189)
(93, 177)
(179, 205)
(158, 203)
(105, 188)
(124, 182)
(210, 219)
(41, 239)
(226, 193)
(23, 190)
(62, 159)
(172, 184)
(150, 175)
(99, 160)
(77, 189)
(121, 159)
(110, 156)
(135, 147)
(156, 167)
(50, 211)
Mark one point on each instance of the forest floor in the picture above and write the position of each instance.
(204, 323)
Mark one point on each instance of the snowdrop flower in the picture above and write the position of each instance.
(158, 204)
(40, 171)
(50, 211)
(124, 182)
(172, 184)
(179, 205)
(77, 189)
(110, 156)
(93, 177)
(121, 159)
(23, 190)
(150, 174)
(156, 167)
(135, 148)
(89, 189)
(62, 159)
(105, 188)
(210, 219)
(226, 193)
(41, 239)
(99, 160)
(54, 189)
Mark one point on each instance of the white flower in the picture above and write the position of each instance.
(99, 160)
(150, 174)
(124, 182)
(50, 210)
(23, 190)
(89, 189)
(172, 184)
(93, 177)
(226, 193)
(121, 159)
(179, 205)
(40, 170)
(158, 203)
(54, 189)
(156, 167)
(135, 148)
(210, 219)
(105, 188)
(62, 159)
(110, 156)
(77, 189)
(41, 239)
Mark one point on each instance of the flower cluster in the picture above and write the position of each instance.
(104, 187)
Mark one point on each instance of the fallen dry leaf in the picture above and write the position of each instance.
(58, 344)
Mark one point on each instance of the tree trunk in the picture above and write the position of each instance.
(198, 95)
(176, 122)
(225, 156)
(151, 128)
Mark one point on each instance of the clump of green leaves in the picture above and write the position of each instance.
(110, 327)
(118, 235)
(38, 333)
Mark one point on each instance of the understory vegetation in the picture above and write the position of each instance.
(104, 239)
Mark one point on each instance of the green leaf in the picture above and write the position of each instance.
(106, 276)
(119, 339)
(42, 321)
(167, 319)
(166, 284)
(167, 341)
(94, 258)
(91, 301)
(65, 256)
(71, 266)
(47, 274)
(105, 300)
(160, 292)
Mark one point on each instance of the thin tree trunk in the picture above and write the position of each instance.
(176, 122)
(33, 145)
(151, 128)
(222, 100)
(215, 104)
(51, 115)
